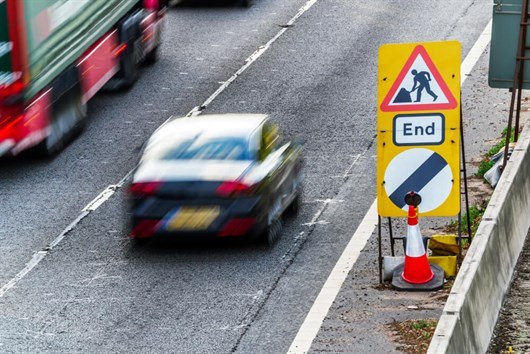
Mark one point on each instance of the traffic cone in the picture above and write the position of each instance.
(416, 274)
(417, 269)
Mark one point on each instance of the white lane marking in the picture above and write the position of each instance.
(318, 312)
(329, 291)
(39, 255)
(110, 190)
(251, 59)
(100, 199)
(475, 53)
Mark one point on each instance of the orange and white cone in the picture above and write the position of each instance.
(416, 269)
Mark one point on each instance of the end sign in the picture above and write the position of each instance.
(418, 127)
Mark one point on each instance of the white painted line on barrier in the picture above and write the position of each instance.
(110, 190)
(314, 319)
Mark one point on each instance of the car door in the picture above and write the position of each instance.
(279, 162)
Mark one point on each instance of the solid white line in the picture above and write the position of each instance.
(475, 53)
(110, 190)
(251, 59)
(314, 319)
(331, 288)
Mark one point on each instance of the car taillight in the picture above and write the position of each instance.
(144, 189)
(144, 228)
(227, 189)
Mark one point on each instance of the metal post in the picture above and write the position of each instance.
(521, 48)
(380, 250)
(459, 237)
(392, 239)
(464, 171)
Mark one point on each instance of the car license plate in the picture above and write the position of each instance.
(192, 218)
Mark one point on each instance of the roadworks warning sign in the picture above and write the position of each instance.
(418, 127)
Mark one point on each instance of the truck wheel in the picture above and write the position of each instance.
(152, 56)
(130, 69)
(68, 120)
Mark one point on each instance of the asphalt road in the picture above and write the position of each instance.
(95, 292)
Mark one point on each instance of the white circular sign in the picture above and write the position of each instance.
(422, 171)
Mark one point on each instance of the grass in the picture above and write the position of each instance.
(419, 324)
(486, 164)
(475, 214)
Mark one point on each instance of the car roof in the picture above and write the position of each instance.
(234, 124)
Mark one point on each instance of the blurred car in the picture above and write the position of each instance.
(215, 175)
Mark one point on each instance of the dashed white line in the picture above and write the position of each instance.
(110, 190)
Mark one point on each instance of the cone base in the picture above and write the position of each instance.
(436, 283)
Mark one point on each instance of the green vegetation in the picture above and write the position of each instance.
(424, 328)
(419, 324)
(487, 163)
(475, 214)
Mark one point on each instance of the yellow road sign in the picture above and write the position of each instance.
(418, 127)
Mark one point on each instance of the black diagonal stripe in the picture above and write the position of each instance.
(418, 179)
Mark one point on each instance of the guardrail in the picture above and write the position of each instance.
(469, 316)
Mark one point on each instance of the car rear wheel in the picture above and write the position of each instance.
(273, 232)
(274, 227)
(294, 207)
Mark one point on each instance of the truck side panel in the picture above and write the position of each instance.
(60, 31)
(98, 65)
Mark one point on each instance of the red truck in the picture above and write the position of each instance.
(57, 54)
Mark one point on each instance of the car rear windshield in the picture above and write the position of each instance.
(206, 148)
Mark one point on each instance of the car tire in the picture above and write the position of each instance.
(274, 227)
(294, 207)
(273, 232)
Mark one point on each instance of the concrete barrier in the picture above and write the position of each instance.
(473, 306)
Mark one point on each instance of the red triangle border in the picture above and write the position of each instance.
(419, 50)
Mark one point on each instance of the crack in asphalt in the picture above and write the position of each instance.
(287, 259)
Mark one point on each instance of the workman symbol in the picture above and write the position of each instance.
(421, 82)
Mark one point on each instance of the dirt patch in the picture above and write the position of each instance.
(479, 191)
(413, 336)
